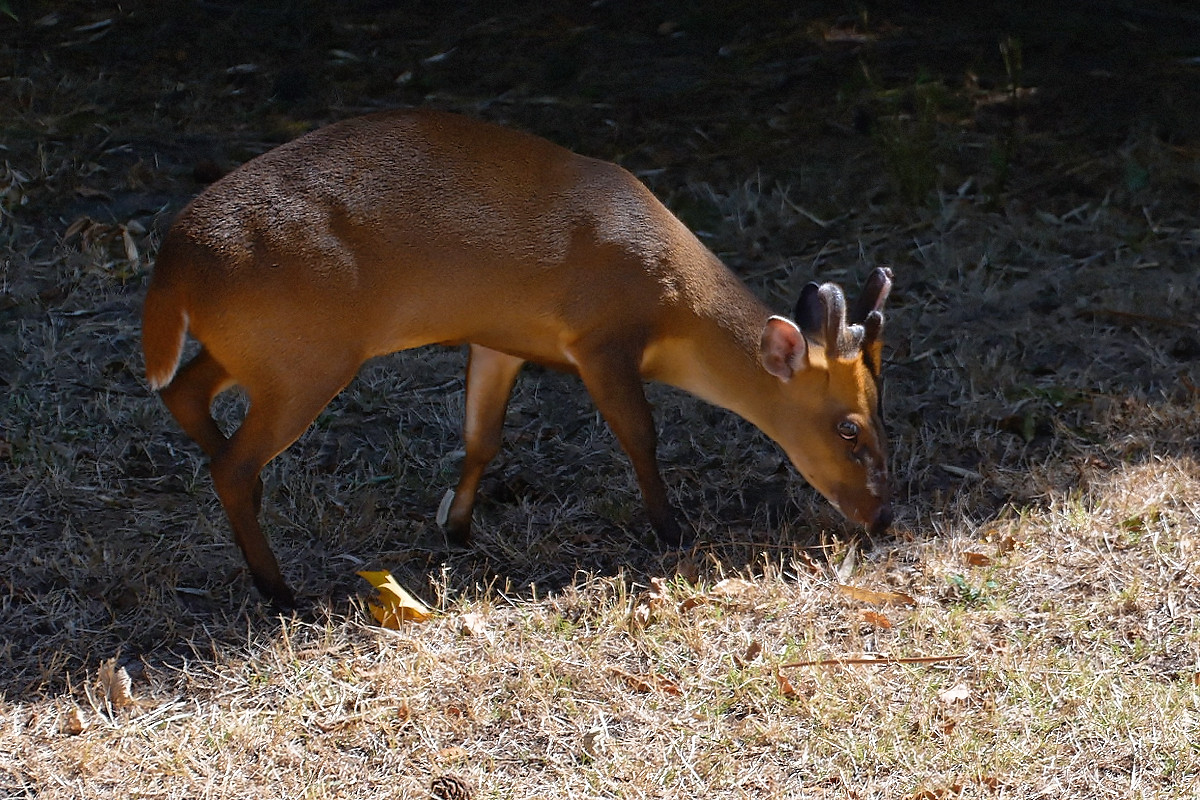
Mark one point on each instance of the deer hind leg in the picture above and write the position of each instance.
(614, 381)
(281, 408)
(189, 399)
(490, 379)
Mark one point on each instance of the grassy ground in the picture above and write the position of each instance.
(1034, 184)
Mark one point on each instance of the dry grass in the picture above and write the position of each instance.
(1044, 365)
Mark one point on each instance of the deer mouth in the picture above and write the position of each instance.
(876, 515)
(883, 520)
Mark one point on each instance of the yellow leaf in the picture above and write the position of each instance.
(397, 604)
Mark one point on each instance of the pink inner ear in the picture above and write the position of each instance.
(783, 348)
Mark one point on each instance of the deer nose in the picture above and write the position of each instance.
(883, 518)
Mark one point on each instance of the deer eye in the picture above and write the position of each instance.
(847, 430)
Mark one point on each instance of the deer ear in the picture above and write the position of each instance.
(783, 350)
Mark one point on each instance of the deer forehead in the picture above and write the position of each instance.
(852, 385)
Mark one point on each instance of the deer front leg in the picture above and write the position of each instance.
(610, 372)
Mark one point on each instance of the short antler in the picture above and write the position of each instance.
(874, 295)
(869, 313)
(821, 314)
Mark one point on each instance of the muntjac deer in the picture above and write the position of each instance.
(409, 228)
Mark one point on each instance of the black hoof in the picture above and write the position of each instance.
(279, 595)
(457, 539)
(671, 534)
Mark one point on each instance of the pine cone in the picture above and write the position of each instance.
(448, 787)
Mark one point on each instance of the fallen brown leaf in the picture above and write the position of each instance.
(92, 193)
(876, 598)
(730, 588)
(453, 754)
(75, 722)
(752, 652)
(688, 570)
(472, 624)
(647, 683)
(77, 227)
(958, 693)
(117, 685)
(940, 793)
(785, 686)
(876, 619)
(651, 602)
(977, 559)
(726, 590)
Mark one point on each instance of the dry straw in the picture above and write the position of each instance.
(1029, 628)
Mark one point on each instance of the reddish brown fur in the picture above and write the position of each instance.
(409, 228)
